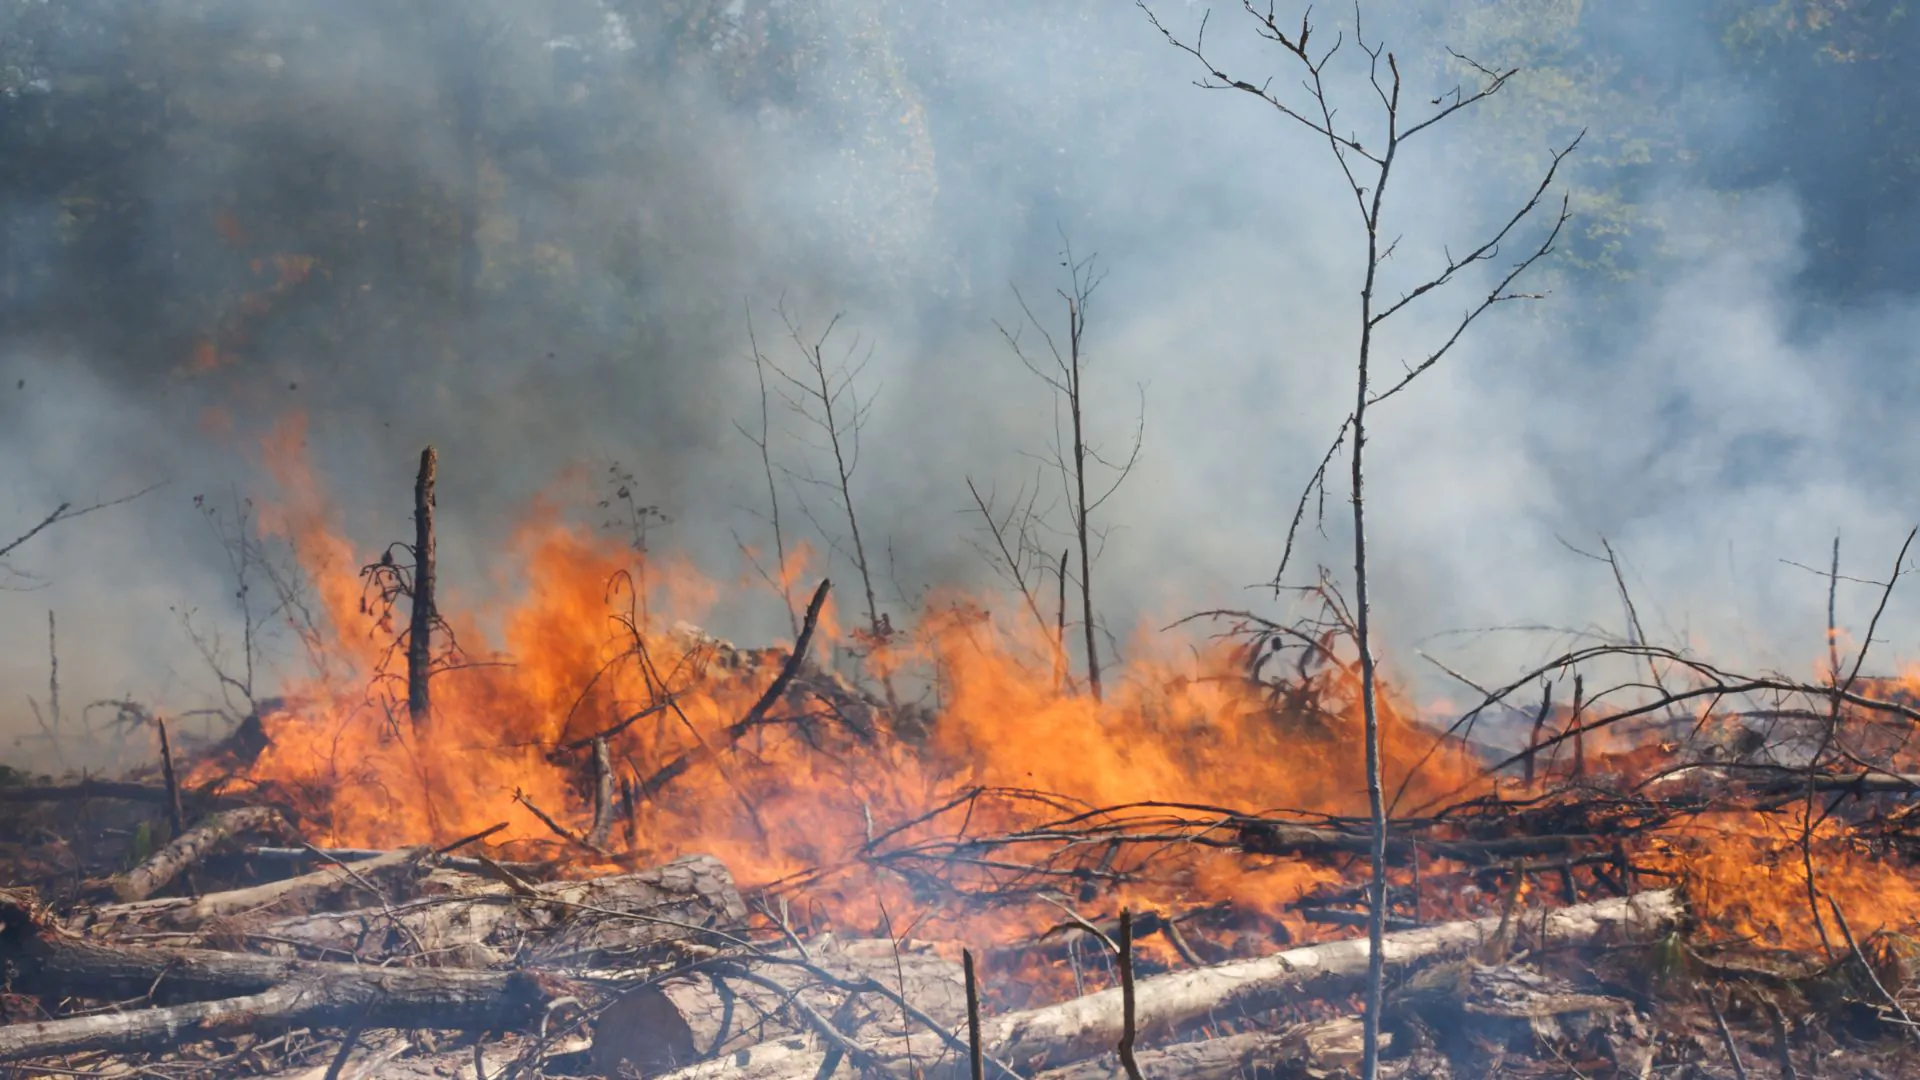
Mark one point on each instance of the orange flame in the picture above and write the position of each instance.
(870, 816)
(591, 640)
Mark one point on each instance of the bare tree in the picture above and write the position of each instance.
(386, 582)
(283, 607)
(1368, 166)
(826, 393)
(1017, 555)
(1072, 454)
(763, 443)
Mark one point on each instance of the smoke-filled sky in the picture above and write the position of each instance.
(1701, 388)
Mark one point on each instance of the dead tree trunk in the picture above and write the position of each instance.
(1086, 1027)
(713, 1013)
(1313, 1051)
(620, 920)
(420, 627)
(203, 994)
(190, 847)
(318, 889)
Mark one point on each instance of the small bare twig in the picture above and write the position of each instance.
(762, 442)
(1906, 1020)
(976, 1059)
(175, 817)
(66, 511)
(1726, 1035)
(1777, 1020)
(757, 714)
(1128, 1031)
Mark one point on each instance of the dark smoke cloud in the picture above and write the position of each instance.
(1709, 414)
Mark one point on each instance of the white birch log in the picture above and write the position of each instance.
(1056, 1035)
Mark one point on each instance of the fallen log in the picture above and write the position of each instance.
(361, 855)
(190, 847)
(1279, 838)
(618, 920)
(1700, 780)
(323, 887)
(125, 790)
(613, 920)
(734, 1006)
(1085, 1027)
(1332, 1044)
(201, 993)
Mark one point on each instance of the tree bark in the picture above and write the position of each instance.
(420, 626)
(621, 920)
(318, 889)
(1326, 1045)
(1085, 1027)
(712, 1014)
(190, 847)
(228, 994)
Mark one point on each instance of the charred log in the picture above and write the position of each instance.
(306, 892)
(203, 994)
(190, 847)
(732, 1007)
(1088, 1026)
(617, 921)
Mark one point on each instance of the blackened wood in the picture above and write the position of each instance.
(420, 627)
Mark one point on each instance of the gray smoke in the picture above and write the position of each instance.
(923, 162)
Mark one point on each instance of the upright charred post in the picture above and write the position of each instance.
(420, 627)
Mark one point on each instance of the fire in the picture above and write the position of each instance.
(984, 786)
(832, 796)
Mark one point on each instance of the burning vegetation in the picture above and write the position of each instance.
(607, 843)
(566, 832)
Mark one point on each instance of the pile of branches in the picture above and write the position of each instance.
(431, 963)
(1535, 928)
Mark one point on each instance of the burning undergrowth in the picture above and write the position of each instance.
(605, 811)
(946, 770)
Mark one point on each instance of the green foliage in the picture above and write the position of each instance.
(1721, 95)
(142, 846)
(1669, 962)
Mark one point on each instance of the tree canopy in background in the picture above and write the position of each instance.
(1732, 95)
(454, 163)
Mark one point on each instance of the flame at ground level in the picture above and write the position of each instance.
(864, 805)
(595, 636)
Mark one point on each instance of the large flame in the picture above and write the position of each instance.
(597, 634)
(868, 807)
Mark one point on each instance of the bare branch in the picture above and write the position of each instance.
(66, 511)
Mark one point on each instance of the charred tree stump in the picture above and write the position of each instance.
(420, 626)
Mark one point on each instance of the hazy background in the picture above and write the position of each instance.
(532, 233)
